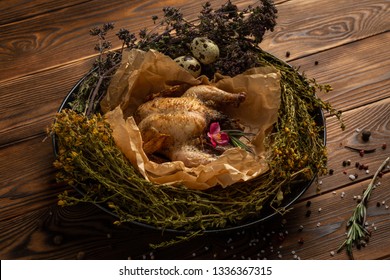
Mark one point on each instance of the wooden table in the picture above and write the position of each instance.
(45, 49)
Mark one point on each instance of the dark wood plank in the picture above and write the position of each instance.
(18, 10)
(358, 72)
(374, 117)
(320, 239)
(63, 35)
(306, 27)
(27, 178)
(347, 38)
(29, 103)
(84, 231)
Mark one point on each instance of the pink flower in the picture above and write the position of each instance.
(217, 137)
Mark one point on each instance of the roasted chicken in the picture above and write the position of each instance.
(175, 126)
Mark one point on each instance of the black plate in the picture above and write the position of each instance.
(266, 213)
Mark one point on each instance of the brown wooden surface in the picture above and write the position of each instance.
(45, 48)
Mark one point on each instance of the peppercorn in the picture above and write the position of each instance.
(357, 164)
(378, 204)
(316, 62)
(308, 203)
(384, 146)
(57, 240)
(366, 135)
(287, 54)
(344, 163)
(361, 153)
(308, 213)
(331, 171)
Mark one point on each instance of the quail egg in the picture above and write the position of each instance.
(190, 64)
(205, 50)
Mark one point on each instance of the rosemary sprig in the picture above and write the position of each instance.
(235, 135)
(357, 232)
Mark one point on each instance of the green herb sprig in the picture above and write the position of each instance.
(235, 135)
(357, 233)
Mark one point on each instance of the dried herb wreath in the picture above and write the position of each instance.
(89, 159)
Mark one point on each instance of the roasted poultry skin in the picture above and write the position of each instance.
(174, 126)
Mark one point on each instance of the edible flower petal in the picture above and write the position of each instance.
(217, 137)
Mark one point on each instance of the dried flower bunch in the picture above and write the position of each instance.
(89, 160)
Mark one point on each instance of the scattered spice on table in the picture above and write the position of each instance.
(366, 134)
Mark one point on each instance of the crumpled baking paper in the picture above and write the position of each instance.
(144, 73)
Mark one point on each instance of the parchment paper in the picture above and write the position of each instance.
(142, 74)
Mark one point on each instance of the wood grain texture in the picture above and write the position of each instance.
(321, 239)
(45, 49)
(19, 10)
(27, 178)
(378, 123)
(63, 35)
(358, 72)
(29, 103)
(86, 232)
(303, 30)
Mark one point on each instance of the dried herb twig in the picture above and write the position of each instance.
(366, 151)
(357, 232)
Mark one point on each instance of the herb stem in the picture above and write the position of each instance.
(366, 151)
(368, 191)
(89, 108)
(356, 224)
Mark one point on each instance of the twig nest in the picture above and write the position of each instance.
(205, 50)
(190, 64)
